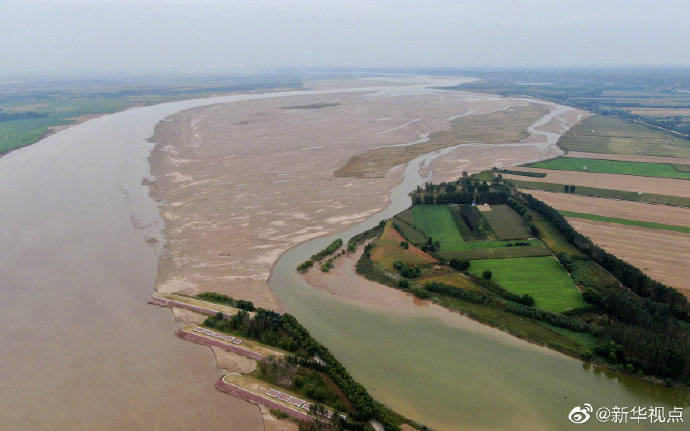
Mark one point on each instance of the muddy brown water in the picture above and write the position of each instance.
(81, 349)
(80, 241)
(450, 372)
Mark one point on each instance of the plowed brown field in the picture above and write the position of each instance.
(615, 208)
(631, 183)
(663, 255)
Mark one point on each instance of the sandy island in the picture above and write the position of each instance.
(240, 183)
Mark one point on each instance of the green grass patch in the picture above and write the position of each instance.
(651, 198)
(625, 221)
(506, 223)
(454, 279)
(541, 277)
(519, 326)
(483, 245)
(660, 170)
(495, 253)
(552, 238)
(681, 168)
(587, 273)
(471, 223)
(437, 222)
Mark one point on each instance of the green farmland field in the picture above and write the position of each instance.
(495, 253)
(480, 245)
(437, 222)
(506, 223)
(661, 170)
(541, 277)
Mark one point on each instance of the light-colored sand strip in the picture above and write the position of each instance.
(209, 311)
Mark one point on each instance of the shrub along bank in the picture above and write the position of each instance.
(284, 331)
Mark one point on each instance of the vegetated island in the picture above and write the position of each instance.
(294, 375)
(483, 248)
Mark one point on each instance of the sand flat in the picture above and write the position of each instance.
(239, 183)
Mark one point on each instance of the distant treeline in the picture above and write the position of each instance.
(20, 115)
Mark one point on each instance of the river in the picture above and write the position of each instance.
(80, 349)
(448, 371)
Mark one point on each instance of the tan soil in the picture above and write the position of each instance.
(664, 186)
(344, 282)
(507, 125)
(615, 208)
(232, 362)
(387, 250)
(663, 255)
(630, 157)
(272, 423)
(188, 316)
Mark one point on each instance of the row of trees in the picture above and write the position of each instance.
(286, 332)
(642, 330)
(21, 115)
(631, 276)
(555, 319)
(464, 191)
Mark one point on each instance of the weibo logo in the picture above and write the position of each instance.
(580, 415)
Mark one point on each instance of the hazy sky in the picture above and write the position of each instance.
(228, 35)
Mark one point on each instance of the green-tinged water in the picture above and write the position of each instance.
(449, 372)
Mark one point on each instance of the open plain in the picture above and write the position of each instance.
(663, 255)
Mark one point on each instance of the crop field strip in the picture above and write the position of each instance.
(661, 254)
(506, 223)
(543, 278)
(496, 253)
(651, 198)
(600, 134)
(668, 215)
(387, 250)
(437, 222)
(630, 183)
(644, 169)
(647, 224)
